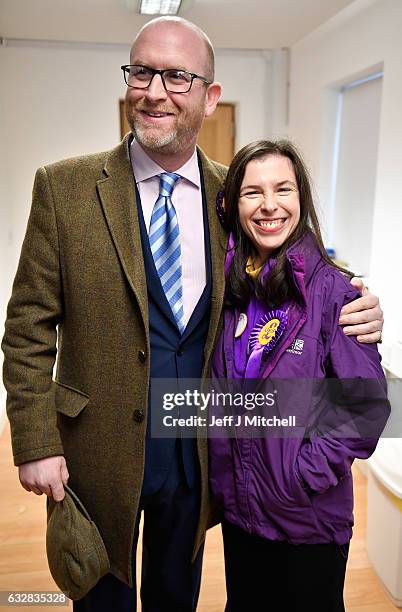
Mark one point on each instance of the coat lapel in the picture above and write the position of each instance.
(213, 176)
(118, 198)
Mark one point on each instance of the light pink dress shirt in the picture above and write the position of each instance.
(187, 200)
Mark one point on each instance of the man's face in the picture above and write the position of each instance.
(163, 122)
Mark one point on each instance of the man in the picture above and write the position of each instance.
(131, 287)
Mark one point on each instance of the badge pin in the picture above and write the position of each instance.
(241, 325)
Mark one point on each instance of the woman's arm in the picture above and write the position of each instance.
(351, 422)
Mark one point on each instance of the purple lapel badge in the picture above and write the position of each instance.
(220, 207)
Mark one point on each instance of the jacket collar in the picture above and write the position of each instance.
(304, 255)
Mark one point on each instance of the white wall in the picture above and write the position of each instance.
(56, 102)
(256, 81)
(362, 37)
(61, 100)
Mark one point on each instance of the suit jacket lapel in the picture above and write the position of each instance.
(118, 198)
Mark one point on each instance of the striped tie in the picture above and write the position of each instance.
(164, 239)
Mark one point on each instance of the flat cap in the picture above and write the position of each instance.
(76, 553)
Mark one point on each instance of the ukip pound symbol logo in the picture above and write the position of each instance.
(268, 331)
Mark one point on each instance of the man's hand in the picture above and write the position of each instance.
(363, 317)
(45, 476)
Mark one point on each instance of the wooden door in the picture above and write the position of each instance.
(124, 127)
(216, 137)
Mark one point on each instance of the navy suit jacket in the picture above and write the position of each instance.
(173, 356)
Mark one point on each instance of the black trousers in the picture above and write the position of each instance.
(169, 581)
(268, 576)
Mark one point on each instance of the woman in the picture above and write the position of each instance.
(287, 502)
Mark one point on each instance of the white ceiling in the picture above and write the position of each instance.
(229, 23)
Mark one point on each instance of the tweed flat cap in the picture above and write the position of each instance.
(76, 553)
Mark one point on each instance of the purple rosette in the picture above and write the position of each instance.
(264, 337)
(268, 330)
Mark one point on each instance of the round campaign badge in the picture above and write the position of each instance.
(241, 325)
(268, 330)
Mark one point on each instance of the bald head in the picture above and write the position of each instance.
(178, 23)
(167, 123)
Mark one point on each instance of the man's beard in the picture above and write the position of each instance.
(154, 141)
(173, 141)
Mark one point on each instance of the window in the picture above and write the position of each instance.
(354, 172)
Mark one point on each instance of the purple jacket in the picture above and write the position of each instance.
(297, 489)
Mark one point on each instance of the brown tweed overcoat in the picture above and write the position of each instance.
(80, 295)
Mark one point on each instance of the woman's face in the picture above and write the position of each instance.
(269, 206)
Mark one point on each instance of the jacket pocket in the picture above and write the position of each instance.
(69, 401)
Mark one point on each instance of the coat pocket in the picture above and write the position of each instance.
(69, 401)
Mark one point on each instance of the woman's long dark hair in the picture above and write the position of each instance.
(278, 286)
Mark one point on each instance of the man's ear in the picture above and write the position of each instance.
(213, 94)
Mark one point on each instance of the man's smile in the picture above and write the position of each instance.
(154, 116)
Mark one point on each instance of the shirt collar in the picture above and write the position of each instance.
(145, 168)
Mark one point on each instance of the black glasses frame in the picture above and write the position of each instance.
(154, 71)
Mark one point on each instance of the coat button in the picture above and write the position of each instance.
(179, 352)
(138, 416)
(142, 356)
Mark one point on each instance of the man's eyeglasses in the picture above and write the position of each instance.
(174, 80)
